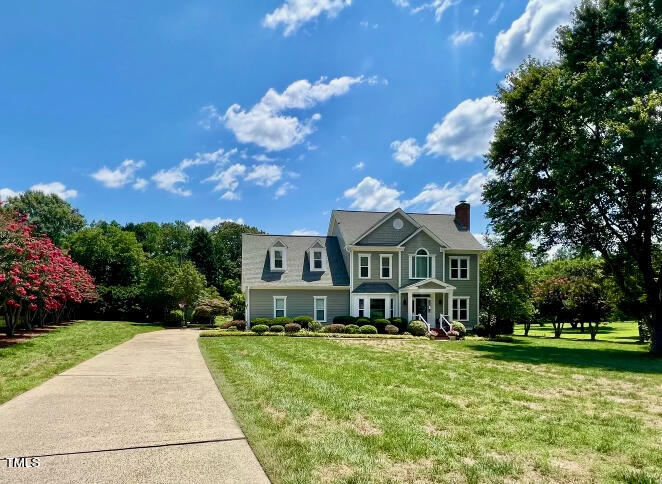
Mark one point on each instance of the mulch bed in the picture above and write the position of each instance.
(21, 335)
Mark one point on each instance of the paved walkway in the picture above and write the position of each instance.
(145, 411)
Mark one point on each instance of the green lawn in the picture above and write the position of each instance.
(534, 410)
(26, 365)
(618, 332)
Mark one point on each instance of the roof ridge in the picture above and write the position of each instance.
(290, 235)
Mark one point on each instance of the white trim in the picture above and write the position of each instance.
(351, 268)
(384, 219)
(423, 228)
(311, 259)
(284, 305)
(399, 270)
(247, 309)
(412, 268)
(315, 298)
(375, 248)
(367, 297)
(459, 268)
(369, 265)
(478, 289)
(273, 259)
(416, 285)
(390, 265)
(279, 287)
(443, 264)
(460, 298)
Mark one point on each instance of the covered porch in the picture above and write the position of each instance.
(430, 300)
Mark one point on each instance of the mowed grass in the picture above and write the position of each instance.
(618, 332)
(26, 365)
(534, 410)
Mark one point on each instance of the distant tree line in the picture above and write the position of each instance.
(144, 271)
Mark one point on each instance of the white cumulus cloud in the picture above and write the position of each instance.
(406, 152)
(268, 123)
(7, 193)
(210, 223)
(140, 184)
(284, 189)
(172, 179)
(228, 179)
(121, 175)
(465, 132)
(294, 13)
(372, 194)
(55, 188)
(437, 6)
(532, 33)
(462, 37)
(265, 175)
(305, 232)
(359, 166)
(442, 199)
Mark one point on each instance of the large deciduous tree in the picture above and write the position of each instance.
(49, 214)
(578, 154)
(201, 254)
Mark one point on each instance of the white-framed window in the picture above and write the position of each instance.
(319, 306)
(386, 266)
(361, 307)
(278, 259)
(460, 309)
(317, 260)
(459, 267)
(422, 265)
(364, 266)
(280, 306)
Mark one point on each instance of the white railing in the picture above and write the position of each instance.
(421, 318)
(442, 320)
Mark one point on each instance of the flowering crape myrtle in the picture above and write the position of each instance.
(37, 280)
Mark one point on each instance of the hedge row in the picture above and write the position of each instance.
(302, 334)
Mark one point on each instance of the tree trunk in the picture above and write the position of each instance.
(582, 327)
(656, 338)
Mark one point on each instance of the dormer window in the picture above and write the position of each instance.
(316, 259)
(278, 257)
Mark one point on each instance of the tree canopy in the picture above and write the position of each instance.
(577, 156)
(50, 215)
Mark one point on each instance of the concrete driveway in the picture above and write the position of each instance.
(145, 411)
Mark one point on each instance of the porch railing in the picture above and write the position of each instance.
(421, 318)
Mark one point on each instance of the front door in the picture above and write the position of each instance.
(421, 307)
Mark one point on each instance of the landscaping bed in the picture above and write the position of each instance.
(412, 410)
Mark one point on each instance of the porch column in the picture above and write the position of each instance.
(450, 305)
(409, 317)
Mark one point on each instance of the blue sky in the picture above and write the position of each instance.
(270, 112)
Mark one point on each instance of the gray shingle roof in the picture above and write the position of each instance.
(374, 287)
(355, 224)
(255, 262)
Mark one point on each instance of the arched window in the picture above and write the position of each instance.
(422, 264)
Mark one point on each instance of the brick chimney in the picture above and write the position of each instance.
(463, 214)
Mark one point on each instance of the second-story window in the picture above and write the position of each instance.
(364, 266)
(422, 264)
(279, 262)
(459, 267)
(385, 266)
(317, 262)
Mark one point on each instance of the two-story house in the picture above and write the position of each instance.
(371, 264)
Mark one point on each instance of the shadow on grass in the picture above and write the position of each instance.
(581, 357)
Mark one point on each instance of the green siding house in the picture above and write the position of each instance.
(371, 264)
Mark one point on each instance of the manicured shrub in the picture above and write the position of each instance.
(236, 323)
(380, 324)
(292, 328)
(334, 328)
(260, 329)
(368, 329)
(267, 321)
(351, 329)
(400, 323)
(303, 321)
(417, 328)
(344, 320)
(391, 329)
(175, 318)
(277, 328)
(315, 326)
(480, 330)
(233, 328)
(459, 328)
(207, 309)
(362, 321)
(282, 320)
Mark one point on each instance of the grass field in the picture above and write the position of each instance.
(533, 410)
(26, 365)
(618, 332)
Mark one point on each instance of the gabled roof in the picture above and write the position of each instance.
(378, 223)
(374, 288)
(256, 268)
(423, 228)
(353, 225)
(427, 282)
